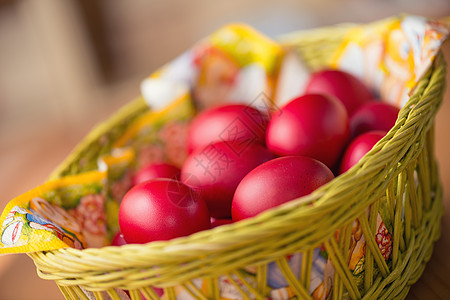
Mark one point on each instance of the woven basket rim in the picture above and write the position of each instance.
(203, 242)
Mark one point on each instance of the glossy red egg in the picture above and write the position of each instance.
(231, 122)
(161, 209)
(156, 170)
(216, 170)
(358, 148)
(374, 115)
(118, 240)
(313, 125)
(276, 182)
(349, 89)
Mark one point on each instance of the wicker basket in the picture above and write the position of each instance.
(399, 171)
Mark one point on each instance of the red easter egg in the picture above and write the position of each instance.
(373, 115)
(231, 122)
(313, 125)
(161, 209)
(276, 182)
(359, 147)
(350, 90)
(154, 171)
(216, 170)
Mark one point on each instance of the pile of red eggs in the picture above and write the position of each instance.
(243, 161)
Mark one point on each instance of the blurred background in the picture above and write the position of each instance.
(66, 65)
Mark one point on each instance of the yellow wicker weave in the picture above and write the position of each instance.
(385, 175)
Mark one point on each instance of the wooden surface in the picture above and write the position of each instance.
(27, 157)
